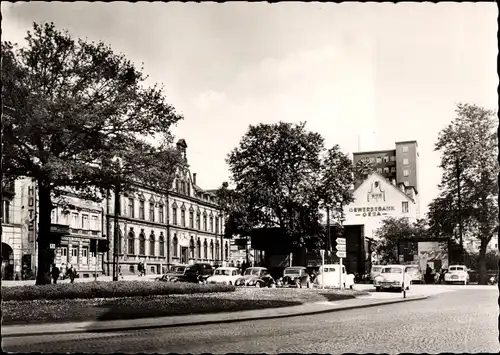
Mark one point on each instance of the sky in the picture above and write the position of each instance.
(364, 76)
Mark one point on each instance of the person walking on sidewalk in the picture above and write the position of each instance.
(55, 273)
(71, 273)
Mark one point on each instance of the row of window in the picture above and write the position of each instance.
(175, 219)
(386, 170)
(73, 252)
(212, 219)
(175, 246)
(142, 207)
(76, 220)
(386, 159)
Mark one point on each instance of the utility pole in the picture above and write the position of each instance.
(328, 236)
(460, 227)
(116, 250)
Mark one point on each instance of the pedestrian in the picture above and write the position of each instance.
(120, 271)
(55, 273)
(71, 273)
(140, 268)
(428, 274)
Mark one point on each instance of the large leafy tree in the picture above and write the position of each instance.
(282, 176)
(71, 108)
(392, 232)
(468, 147)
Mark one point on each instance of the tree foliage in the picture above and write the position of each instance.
(392, 231)
(469, 146)
(71, 107)
(283, 176)
(363, 168)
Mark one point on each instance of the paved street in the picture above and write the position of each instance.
(452, 320)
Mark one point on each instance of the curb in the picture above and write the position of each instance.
(222, 321)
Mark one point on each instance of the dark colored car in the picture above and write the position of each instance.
(175, 274)
(257, 277)
(296, 276)
(198, 272)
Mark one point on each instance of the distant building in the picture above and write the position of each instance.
(376, 199)
(400, 166)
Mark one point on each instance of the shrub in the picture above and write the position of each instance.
(98, 289)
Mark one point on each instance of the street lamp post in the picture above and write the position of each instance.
(459, 197)
(116, 244)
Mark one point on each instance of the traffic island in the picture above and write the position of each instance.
(181, 299)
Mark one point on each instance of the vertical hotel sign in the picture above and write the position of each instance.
(31, 212)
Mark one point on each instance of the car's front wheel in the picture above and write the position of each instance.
(377, 289)
(257, 284)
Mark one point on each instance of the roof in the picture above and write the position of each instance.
(388, 182)
(407, 142)
(375, 151)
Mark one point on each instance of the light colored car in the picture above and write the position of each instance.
(329, 275)
(392, 277)
(375, 271)
(457, 273)
(415, 274)
(224, 275)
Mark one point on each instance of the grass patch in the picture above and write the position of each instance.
(42, 311)
(173, 304)
(90, 290)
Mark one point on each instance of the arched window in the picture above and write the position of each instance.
(162, 244)
(217, 224)
(211, 249)
(211, 224)
(131, 240)
(205, 221)
(198, 226)
(226, 252)
(152, 244)
(205, 251)
(198, 248)
(174, 214)
(142, 243)
(191, 248)
(183, 216)
(217, 250)
(191, 218)
(175, 245)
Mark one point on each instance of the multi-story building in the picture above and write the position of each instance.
(399, 166)
(13, 230)
(79, 220)
(182, 225)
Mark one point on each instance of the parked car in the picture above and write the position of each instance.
(224, 275)
(256, 277)
(296, 276)
(415, 274)
(329, 275)
(392, 277)
(175, 274)
(457, 274)
(198, 272)
(375, 270)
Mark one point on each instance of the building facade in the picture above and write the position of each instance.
(182, 225)
(377, 199)
(399, 166)
(14, 230)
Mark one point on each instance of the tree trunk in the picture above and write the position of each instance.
(482, 264)
(45, 254)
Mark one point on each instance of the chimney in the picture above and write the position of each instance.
(194, 178)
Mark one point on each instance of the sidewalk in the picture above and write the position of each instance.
(201, 319)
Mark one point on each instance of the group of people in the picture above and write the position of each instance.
(69, 272)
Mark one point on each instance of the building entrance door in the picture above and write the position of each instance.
(7, 262)
(184, 255)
